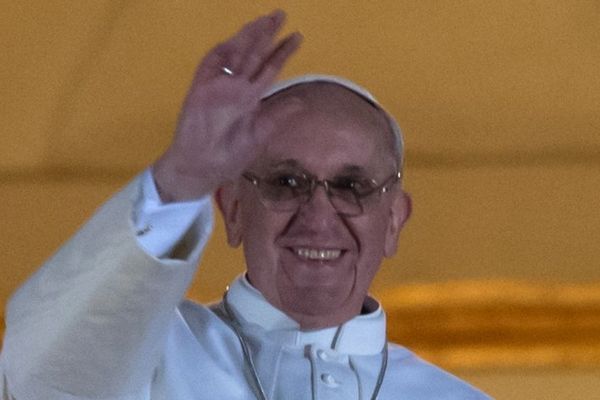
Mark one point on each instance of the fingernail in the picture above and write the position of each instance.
(277, 16)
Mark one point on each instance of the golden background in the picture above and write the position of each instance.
(497, 275)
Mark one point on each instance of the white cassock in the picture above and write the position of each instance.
(104, 319)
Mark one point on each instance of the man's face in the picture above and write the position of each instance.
(311, 262)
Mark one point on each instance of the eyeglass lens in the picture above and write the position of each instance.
(282, 191)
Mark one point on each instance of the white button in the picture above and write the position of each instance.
(328, 355)
(329, 380)
(323, 355)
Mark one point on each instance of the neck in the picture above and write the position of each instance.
(307, 315)
(309, 318)
(321, 321)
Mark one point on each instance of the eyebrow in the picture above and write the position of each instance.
(346, 169)
(352, 169)
(290, 162)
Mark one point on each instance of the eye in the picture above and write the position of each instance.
(287, 180)
(283, 186)
(358, 185)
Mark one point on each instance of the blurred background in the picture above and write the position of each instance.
(497, 278)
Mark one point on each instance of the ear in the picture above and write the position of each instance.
(399, 213)
(228, 202)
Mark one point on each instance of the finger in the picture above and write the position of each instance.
(276, 60)
(266, 123)
(230, 53)
(244, 42)
(262, 43)
(212, 64)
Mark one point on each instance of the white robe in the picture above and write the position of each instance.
(103, 319)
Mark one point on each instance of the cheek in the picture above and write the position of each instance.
(254, 216)
(260, 229)
(257, 252)
(256, 234)
(371, 235)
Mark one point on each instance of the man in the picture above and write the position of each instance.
(307, 177)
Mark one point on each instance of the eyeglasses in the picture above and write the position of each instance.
(349, 195)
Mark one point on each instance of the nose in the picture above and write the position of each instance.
(317, 218)
(318, 203)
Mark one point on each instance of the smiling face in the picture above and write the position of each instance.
(311, 262)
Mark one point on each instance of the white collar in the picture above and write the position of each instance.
(362, 335)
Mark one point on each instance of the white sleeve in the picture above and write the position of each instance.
(159, 226)
(93, 321)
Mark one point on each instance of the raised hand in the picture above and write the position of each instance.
(218, 133)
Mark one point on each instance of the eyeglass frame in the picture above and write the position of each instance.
(384, 187)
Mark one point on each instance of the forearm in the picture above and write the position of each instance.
(92, 322)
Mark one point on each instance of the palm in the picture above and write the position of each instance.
(218, 133)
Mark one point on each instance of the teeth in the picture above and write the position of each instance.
(314, 254)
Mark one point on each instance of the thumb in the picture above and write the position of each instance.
(274, 118)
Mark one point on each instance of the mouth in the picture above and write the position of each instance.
(317, 254)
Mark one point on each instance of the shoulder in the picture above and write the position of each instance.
(201, 319)
(418, 379)
(197, 332)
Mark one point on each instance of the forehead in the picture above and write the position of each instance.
(331, 127)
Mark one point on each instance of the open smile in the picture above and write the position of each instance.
(309, 253)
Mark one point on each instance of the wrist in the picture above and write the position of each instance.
(174, 185)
